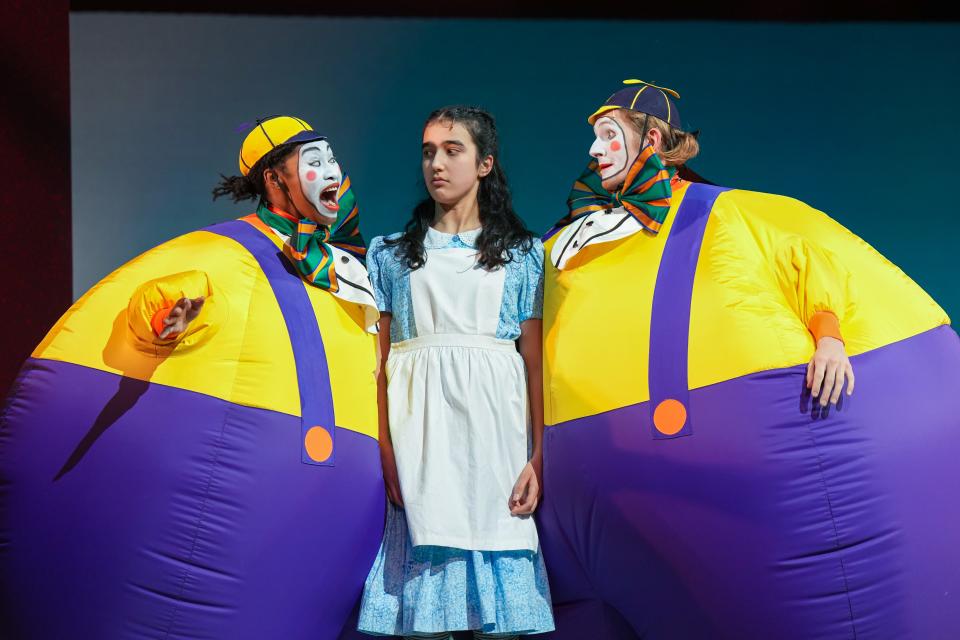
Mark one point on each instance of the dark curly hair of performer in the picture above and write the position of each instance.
(251, 186)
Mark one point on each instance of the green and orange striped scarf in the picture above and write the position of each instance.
(645, 193)
(309, 247)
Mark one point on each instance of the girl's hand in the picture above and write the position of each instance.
(390, 478)
(827, 371)
(527, 490)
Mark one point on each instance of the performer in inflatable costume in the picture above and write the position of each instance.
(191, 451)
(695, 487)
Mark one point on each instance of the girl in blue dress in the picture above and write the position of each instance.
(461, 401)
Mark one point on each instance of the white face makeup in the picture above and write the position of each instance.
(320, 177)
(610, 149)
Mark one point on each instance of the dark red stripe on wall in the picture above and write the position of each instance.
(35, 247)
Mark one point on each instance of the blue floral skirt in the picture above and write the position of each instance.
(431, 589)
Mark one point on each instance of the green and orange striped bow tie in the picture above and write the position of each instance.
(645, 193)
(309, 247)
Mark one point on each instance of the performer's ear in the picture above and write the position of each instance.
(655, 139)
(270, 177)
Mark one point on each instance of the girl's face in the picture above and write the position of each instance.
(451, 168)
(616, 147)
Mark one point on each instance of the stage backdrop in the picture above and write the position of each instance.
(856, 119)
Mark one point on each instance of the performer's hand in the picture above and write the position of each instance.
(390, 477)
(827, 371)
(182, 314)
(526, 492)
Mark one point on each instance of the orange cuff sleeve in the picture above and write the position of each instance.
(823, 324)
(157, 322)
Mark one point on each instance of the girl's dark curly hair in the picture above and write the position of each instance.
(250, 186)
(503, 230)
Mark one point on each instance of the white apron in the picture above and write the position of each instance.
(458, 410)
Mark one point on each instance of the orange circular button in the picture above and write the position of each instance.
(669, 417)
(318, 443)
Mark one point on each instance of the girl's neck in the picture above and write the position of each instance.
(458, 217)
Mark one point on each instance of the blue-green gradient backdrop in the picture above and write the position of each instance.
(858, 120)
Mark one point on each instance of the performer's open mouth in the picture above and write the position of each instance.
(604, 167)
(328, 197)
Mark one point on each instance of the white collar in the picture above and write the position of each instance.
(440, 240)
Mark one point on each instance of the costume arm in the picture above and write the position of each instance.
(816, 285)
(152, 302)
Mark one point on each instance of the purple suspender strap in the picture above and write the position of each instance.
(670, 318)
(317, 426)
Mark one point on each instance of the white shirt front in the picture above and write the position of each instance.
(597, 227)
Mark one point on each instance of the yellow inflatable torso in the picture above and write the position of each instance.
(767, 264)
(238, 348)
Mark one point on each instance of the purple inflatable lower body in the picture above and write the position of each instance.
(774, 519)
(132, 510)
